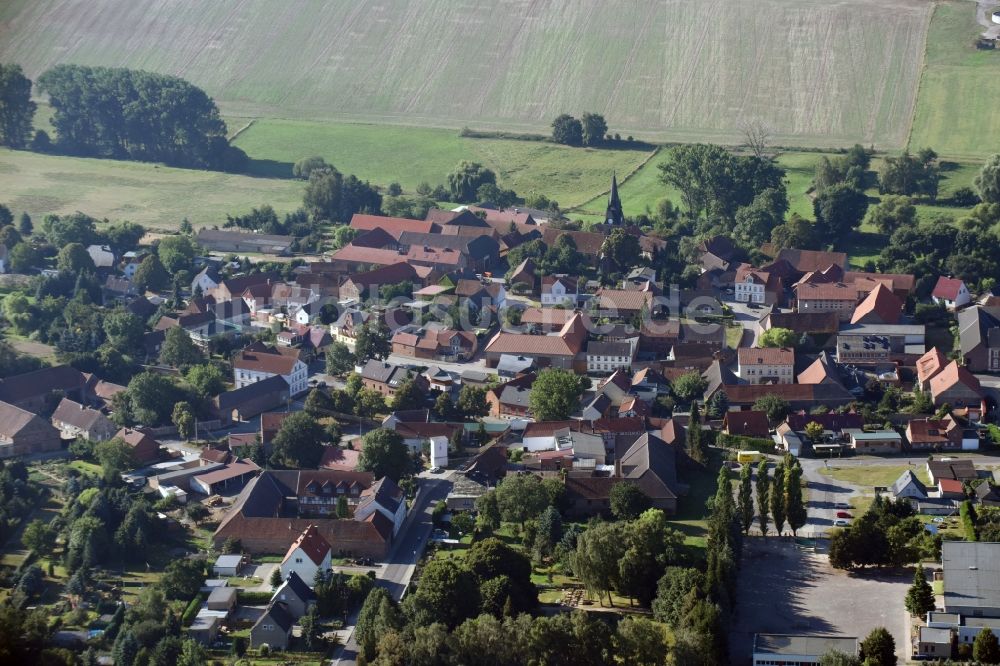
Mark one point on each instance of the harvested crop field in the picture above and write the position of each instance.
(819, 72)
(156, 196)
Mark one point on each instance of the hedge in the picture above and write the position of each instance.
(253, 598)
(191, 612)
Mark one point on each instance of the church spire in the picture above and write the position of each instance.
(614, 216)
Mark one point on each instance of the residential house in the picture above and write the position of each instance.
(987, 494)
(874, 441)
(296, 594)
(935, 643)
(746, 424)
(908, 486)
(559, 290)
(245, 403)
(357, 258)
(385, 498)
(233, 287)
(649, 383)
(752, 285)
(604, 357)
(479, 253)
(24, 433)
(511, 399)
(273, 628)
(979, 333)
(348, 325)
(935, 434)
(225, 240)
(434, 344)
(207, 279)
(956, 386)
(309, 554)
(144, 448)
(588, 243)
(625, 304)
(280, 503)
(75, 420)
(386, 378)
(366, 284)
(958, 470)
(260, 361)
(951, 293)
(768, 365)
(633, 407)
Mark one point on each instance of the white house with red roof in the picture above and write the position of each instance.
(951, 292)
(307, 555)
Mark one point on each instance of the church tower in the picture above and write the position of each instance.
(614, 217)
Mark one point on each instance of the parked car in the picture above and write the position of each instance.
(435, 470)
(844, 514)
(841, 523)
(842, 505)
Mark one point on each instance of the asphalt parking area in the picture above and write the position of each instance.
(785, 589)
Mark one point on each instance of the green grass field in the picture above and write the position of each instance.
(821, 73)
(957, 112)
(872, 475)
(409, 156)
(156, 196)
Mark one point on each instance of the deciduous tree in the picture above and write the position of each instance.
(299, 442)
(777, 337)
(178, 350)
(987, 181)
(17, 111)
(628, 501)
(878, 648)
(567, 130)
(384, 454)
(555, 395)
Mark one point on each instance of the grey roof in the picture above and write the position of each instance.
(971, 575)
(718, 376)
(222, 594)
(74, 414)
(976, 327)
(228, 560)
(236, 397)
(597, 348)
(514, 364)
(653, 464)
(385, 493)
(384, 373)
(278, 612)
(961, 469)
(883, 329)
(474, 246)
(515, 395)
(905, 479)
(296, 585)
(780, 644)
(583, 444)
(935, 635)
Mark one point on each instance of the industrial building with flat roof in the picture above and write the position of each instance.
(971, 578)
(780, 649)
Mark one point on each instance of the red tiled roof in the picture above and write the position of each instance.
(811, 260)
(952, 375)
(746, 424)
(366, 255)
(312, 544)
(829, 291)
(395, 226)
(930, 364)
(947, 288)
(766, 356)
(881, 306)
(568, 342)
(624, 300)
(270, 360)
(950, 485)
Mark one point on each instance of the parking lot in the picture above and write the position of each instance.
(784, 589)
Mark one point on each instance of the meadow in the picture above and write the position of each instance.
(957, 110)
(821, 73)
(156, 196)
(409, 155)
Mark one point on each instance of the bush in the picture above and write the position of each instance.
(264, 650)
(247, 598)
(191, 611)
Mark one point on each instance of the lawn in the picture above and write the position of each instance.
(384, 154)
(873, 475)
(149, 194)
(957, 112)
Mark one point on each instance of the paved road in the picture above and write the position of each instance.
(395, 575)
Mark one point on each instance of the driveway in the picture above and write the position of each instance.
(784, 589)
(824, 494)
